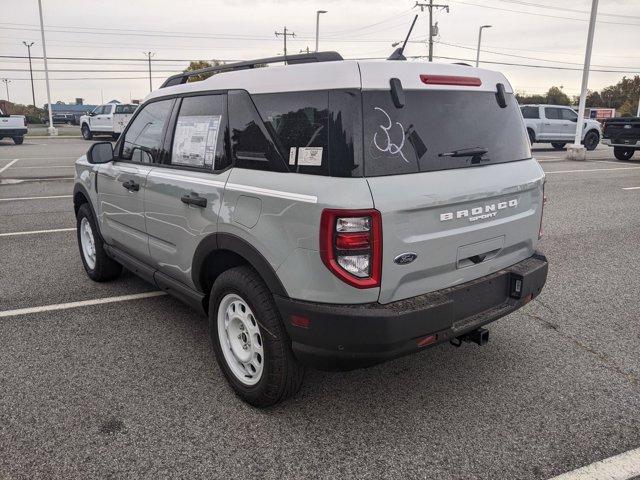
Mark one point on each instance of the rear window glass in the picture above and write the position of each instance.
(126, 109)
(440, 130)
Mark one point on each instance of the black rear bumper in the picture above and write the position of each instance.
(343, 337)
(12, 132)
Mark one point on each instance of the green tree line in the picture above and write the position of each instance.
(623, 96)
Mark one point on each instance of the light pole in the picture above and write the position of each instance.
(480, 40)
(33, 92)
(52, 130)
(6, 82)
(577, 151)
(149, 55)
(318, 26)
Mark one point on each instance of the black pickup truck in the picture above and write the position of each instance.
(623, 134)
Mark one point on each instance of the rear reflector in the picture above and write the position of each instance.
(428, 340)
(300, 321)
(451, 80)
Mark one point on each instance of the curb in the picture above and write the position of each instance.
(71, 137)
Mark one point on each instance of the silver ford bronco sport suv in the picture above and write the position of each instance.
(326, 213)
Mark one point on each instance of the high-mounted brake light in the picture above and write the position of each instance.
(351, 245)
(451, 80)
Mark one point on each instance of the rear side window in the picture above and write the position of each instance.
(126, 109)
(251, 144)
(199, 135)
(552, 113)
(299, 123)
(143, 140)
(530, 112)
(440, 130)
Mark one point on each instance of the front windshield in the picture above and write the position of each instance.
(440, 130)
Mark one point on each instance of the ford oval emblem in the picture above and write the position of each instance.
(405, 258)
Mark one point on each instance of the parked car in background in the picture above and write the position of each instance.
(13, 126)
(109, 119)
(623, 134)
(556, 124)
(327, 213)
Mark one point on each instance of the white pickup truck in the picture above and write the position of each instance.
(556, 124)
(108, 119)
(13, 126)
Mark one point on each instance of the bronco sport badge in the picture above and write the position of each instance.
(479, 213)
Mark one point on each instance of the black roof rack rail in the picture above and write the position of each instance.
(181, 78)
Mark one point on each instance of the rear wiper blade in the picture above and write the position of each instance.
(465, 152)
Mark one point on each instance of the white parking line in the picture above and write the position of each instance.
(631, 188)
(44, 167)
(15, 199)
(35, 232)
(9, 164)
(84, 303)
(593, 170)
(621, 467)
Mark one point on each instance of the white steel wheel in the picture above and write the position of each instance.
(240, 339)
(88, 243)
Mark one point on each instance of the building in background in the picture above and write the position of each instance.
(69, 113)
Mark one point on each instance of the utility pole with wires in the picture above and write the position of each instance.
(285, 34)
(149, 55)
(6, 82)
(33, 91)
(431, 6)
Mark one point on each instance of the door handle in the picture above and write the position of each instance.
(194, 199)
(547, 124)
(131, 185)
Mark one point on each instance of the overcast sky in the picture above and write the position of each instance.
(180, 30)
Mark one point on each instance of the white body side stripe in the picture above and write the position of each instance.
(299, 197)
(186, 178)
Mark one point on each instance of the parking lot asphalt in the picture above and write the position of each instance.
(130, 389)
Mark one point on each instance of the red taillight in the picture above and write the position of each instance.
(451, 80)
(351, 245)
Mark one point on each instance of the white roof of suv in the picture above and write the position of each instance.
(367, 74)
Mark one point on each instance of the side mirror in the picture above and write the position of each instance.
(101, 152)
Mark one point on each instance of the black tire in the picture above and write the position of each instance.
(623, 153)
(105, 267)
(558, 145)
(86, 132)
(282, 374)
(532, 136)
(18, 140)
(591, 140)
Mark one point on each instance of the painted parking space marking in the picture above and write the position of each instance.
(592, 170)
(44, 167)
(83, 303)
(631, 188)
(36, 232)
(9, 164)
(621, 467)
(47, 197)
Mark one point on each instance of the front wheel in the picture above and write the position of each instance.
(251, 344)
(558, 145)
(98, 265)
(532, 136)
(86, 132)
(623, 153)
(591, 140)
(18, 140)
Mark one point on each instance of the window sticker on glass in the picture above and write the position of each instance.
(310, 156)
(195, 140)
(292, 155)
